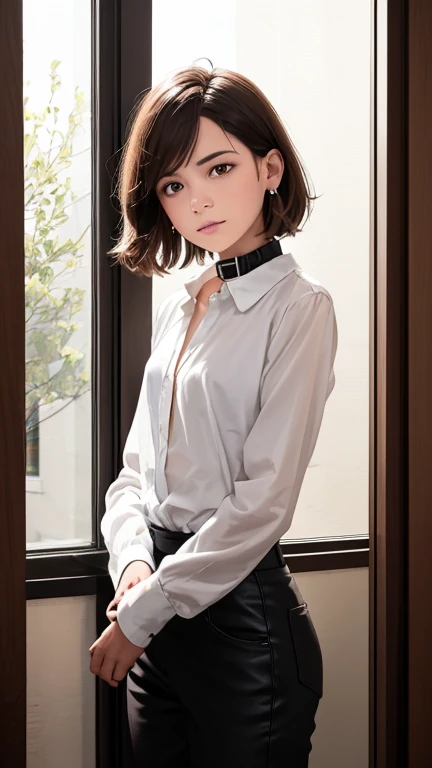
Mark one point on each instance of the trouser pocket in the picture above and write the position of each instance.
(239, 616)
(307, 648)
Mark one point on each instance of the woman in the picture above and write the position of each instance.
(223, 663)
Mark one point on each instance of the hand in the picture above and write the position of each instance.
(135, 572)
(113, 655)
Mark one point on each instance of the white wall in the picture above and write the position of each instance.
(313, 61)
(60, 687)
(338, 604)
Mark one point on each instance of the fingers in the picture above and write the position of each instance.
(120, 671)
(112, 656)
(128, 585)
(106, 672)
(109, 671)
(111, 611)
(96, 660)
(111, 614)
(103, 666)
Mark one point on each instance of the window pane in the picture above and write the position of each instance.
(314, 66)
(58, 195)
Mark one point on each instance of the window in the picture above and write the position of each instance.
(58, 274)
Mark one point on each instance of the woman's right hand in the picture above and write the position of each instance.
(135, 572)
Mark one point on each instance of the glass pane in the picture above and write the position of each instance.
(314, 66)
(57, 166)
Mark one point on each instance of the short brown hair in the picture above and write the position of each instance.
(164, 131)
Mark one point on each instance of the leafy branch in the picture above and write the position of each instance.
(55, 370)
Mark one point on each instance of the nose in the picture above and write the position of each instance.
(199, 203)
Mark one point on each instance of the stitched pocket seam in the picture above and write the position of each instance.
(307, 683)
(236, 640)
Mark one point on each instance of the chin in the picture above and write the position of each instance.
(213, 242)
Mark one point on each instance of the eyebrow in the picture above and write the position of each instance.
(203, 160)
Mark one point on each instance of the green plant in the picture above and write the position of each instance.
(55, 370)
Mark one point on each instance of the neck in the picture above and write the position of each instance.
(240, 250)
(246, 243)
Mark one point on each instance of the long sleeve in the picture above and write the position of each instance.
(123, 526)
(296, 381)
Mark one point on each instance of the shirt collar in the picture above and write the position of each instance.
(247, 289)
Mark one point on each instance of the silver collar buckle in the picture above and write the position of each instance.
(228, 269)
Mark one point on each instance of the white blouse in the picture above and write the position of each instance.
(251, 389)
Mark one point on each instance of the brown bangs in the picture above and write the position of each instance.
(174, 141)
(163, 136)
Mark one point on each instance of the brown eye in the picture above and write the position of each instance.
(171, 184)
(222, 165)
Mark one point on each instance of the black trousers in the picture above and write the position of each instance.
(236, 686)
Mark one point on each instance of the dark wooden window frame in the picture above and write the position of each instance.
(399, 391)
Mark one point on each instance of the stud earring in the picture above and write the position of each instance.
(273, 191)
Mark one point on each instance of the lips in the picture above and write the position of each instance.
(209, 224)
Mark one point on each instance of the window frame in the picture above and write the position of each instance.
(122, 304)
(118, 360)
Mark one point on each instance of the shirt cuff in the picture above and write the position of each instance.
(144, 610)
(129, 555)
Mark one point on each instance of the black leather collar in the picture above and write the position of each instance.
(228, 269)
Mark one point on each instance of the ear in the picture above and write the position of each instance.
(275, 166)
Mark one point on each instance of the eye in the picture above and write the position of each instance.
(223, 165)
(164, 189)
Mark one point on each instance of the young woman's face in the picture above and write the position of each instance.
(228, 187)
